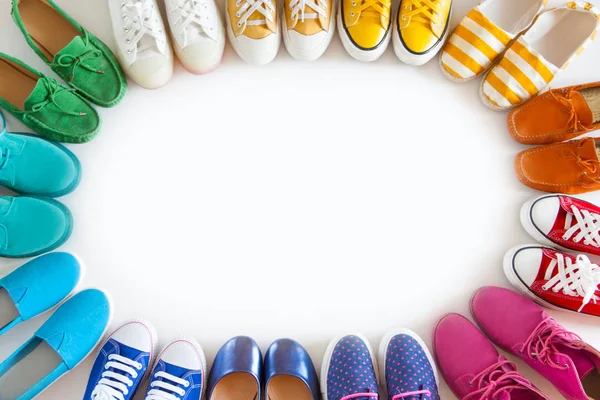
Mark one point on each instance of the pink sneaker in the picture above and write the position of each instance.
(523, 328)
(472, 366)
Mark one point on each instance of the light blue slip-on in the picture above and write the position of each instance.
(37, 286)
(35, 166)
(30, 226)
(62, 343)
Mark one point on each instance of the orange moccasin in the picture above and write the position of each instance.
(570, 167)
(557, 115)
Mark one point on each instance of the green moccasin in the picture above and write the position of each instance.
(76, 55)
(45, 106)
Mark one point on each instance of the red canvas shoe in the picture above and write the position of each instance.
(554, 279)
(563, 221)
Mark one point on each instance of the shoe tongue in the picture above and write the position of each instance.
(38, 94)
(582, 108)
(75, 48)
(583, 364)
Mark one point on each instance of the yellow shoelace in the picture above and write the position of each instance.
(426, 11)
(380, 6)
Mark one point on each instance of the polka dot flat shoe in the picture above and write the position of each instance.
(349, 370)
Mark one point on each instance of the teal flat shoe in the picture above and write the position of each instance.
(34, 166)
(62, 343)
(30, 226)
(37, 286)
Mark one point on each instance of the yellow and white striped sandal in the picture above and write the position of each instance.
(534, 59)
(484, 34)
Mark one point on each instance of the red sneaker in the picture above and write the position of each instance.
(555, 279)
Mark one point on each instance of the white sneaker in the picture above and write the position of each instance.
(253, 29)
(143, 49)
(198, 33)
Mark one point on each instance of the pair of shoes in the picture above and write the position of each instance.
(254, 32)
(238, 372)
(421, 28)
(73, 53)
(516, 45)
(34, 166)
(65, 339)
(349, 369)
(145, 52)
(129, 356)
(547, 274)
(473, 368)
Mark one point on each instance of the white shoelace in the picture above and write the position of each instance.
(586, 227)
(298, 7)
(578, 279)
(141, 18)
(191, 15)
(248, 7)
(160, 394)
(114, 385)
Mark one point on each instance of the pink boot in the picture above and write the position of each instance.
(472, 367)
(523, 328)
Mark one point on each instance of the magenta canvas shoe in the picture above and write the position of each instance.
(522, 328)
(473, 368)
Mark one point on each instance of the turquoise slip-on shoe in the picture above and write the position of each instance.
(35, 166)
(30, 226)
(37, 286)
(62, 343)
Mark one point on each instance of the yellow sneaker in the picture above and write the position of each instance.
(253, 29)
(308, 27)
(364, 27)
(420, 29)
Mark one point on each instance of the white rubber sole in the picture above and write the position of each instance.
(253, 59)
(355, 52)
(308, 54)
(110, 317)
(329, 353)
(415, 59)
(530, 228)
(384, 346)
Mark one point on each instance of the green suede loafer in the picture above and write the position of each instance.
(41, 103)
(77, 56)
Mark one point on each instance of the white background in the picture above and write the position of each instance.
(301, 200)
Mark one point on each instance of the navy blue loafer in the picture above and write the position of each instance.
(237, 371)
(290, 373)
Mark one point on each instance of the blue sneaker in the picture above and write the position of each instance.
(349, 370)
(407, 367)
(123, 362)
(35, 166)
(30, 226)
(61, 343)
(180, 372)
(36, 287)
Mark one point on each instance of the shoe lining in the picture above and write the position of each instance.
(16, 83)
(558, 34)
(511, 15)
(47, 27)
(8, 311)
(591, 385)
(236, 386)
(592, 97)
(285, 387)
(38, 361)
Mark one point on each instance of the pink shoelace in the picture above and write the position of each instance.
(542, 342)
(494, 380)
(357, 395)
(397, 397)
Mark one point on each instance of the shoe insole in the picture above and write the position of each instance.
(558, 34)
(592, 97)
(16, 84)
(511, 15)
(284, 387)
(50, 30)
(236, 386)
(591, 385)
(8, 311)
(39, 360)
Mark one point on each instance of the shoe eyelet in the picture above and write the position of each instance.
(239, 24)
(470, 383)
(404, 18)
(352, 13)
